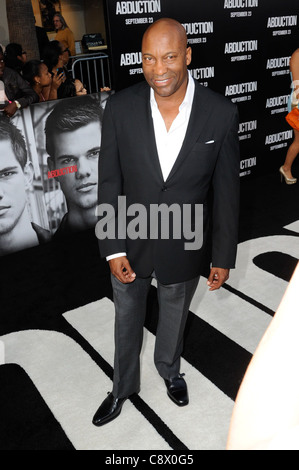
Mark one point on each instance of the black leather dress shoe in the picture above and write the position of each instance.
(177, 390)
(109, 410)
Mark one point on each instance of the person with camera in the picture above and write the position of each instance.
(56, 57)
(45, 85)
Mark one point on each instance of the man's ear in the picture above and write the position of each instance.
(29, 175)
(189, 56)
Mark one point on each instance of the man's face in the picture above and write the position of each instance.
(13, 184)
(165, 60)
(2, 65)
(81, 148)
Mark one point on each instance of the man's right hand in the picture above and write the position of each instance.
(121, 269)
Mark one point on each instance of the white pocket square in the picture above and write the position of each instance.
(210, 142)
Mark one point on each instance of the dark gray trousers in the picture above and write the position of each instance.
(130, 309)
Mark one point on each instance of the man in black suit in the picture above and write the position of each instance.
(164, 142)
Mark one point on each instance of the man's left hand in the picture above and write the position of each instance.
(217, 278)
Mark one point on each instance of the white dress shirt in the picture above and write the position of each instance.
(169, 143)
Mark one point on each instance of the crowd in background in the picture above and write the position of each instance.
(43, 79)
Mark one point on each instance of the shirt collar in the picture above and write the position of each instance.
(188, 100)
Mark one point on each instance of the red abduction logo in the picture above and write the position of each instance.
(62, 171)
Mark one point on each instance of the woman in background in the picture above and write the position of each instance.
(56, 57)
(80, 88)
(64, 34)
(45, 85)
(286, 169)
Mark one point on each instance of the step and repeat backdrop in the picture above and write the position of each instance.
(241, 49)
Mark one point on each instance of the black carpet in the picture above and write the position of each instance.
(38, 285)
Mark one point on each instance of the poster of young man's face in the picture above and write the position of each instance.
(68, 140)
(23, 216)
(49, 155)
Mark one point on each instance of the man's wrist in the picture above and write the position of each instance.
(116, 255)
(17, 104)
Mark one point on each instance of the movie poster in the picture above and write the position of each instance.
(49, 171)
(23, 215)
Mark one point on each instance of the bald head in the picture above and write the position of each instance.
(166, 57)
(168, 26)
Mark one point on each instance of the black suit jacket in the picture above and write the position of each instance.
(129, 165)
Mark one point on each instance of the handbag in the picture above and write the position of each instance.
(293, 118)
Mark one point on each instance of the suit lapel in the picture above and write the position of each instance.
(198, 118)
(145, 126)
